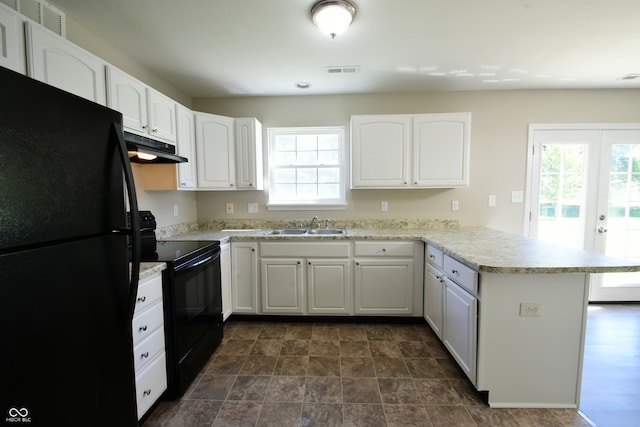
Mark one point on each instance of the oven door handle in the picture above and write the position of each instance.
(188, 265)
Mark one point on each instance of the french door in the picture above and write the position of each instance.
(584, 192)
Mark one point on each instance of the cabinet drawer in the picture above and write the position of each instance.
(147, 322)
(150, 384)
(148, 349)
(149, 292)
(435, 257)
(386, 248)
(461, 274)
(305, 249)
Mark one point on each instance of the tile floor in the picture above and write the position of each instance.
(611, 373)
(338, 374)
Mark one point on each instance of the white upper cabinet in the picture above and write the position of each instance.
(380, 151)
(215, 152)
(441, 150)
(410, 151)
(249, 154)
(11, 45)
(186, 147)
(145, 111)
(58, 62)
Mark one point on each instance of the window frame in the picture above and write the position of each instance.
(315, 204)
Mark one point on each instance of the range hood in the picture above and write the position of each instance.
(142, 150)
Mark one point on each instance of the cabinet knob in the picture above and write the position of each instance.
(454, 271)
(142, 328)
(154, 130)
(299, 263)
(415, 183)
(309, 262)
(145, 127)
(250, 184)
(146, 392)
(144, 355)
(142, 298)
(183, 184)
(384, 249)
(231, 184)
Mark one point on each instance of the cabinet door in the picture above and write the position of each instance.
(60, 63)
(441, 150)
(328, 286)
(215, 148)
(162, 116)
(11, 53)
(128, 96)
(282, 290)
(380, 151)
(244, 276)
(433, 285)
(225, 280)
(460, 327)
(186, 147)
(384, 286)
(249, 154)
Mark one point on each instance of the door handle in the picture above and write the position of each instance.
(602, 230)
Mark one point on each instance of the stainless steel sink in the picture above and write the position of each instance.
(334, 231)
(288, 231)
(306, 231)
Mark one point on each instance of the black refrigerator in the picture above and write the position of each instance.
(66, 291)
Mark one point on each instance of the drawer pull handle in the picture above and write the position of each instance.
(143, 328)
(454, 271)
(432, 256)
(439, 277)
(146, 392)
(144, 355)
(142, 299)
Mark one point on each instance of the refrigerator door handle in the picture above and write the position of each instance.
(135, 226)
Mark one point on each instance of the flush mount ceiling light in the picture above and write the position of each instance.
(333, 17)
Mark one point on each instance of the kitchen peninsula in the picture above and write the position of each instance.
(525, 342)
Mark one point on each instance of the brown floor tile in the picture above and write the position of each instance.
(266, 347)
(384, 348)
(405, 332)
(424, 367)
(249, 388)
(390, 367)
(357, 367)
(246, 332)
(324, 366)
(321, 415)
(354, 349)
(280, 414)
(237, 347)
(292, 366)
(467, 392)
(378, 332)
(350, 332)
(450, 368)
(360, 390)
(450, 416)
(286, 389)
(196, 413)
(323, 389)
(435, 392)
(215, 387)
(259, 365)
(164, 413)
(238, 414)
(272, 331)
(527, 417)
(325, 333)
(398, 391)
(414, 349)
(223, 364)
(406, 416)
(295, 348)
(361, 415)
(298, 331)
(324, 348)
(490, 417)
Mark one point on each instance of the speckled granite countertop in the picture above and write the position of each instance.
(148, 269)
(482, 249)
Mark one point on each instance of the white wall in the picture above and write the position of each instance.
(500, 121)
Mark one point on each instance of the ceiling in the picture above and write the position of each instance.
(214, 48)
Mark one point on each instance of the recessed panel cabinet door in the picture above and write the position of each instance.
(186, 147)
(282, 290)
(11, 51)
(215, 147)
(60, 63)
(128, 96)
(328, 286)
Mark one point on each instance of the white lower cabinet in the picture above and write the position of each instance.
(306, 278)
(244, 277)
(388, 280)
(148, 344)
(460, 326)
(433, 287)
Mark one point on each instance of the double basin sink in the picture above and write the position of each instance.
(308, 231)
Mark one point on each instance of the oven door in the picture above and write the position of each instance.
(197, 300)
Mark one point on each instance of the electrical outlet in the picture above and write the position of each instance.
(229, 208)
(175, 210)
(252, 207)
(384, 206)
(530, 309)
(455, 205)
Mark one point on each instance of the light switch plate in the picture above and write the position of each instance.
(517, 196)
(492, 200)
(252, 207)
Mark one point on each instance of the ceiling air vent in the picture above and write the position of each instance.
(41, 12)
(345, 69)
(629, 77)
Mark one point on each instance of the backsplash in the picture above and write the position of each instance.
(256, 224)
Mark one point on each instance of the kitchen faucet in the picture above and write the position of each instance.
(315, 218)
